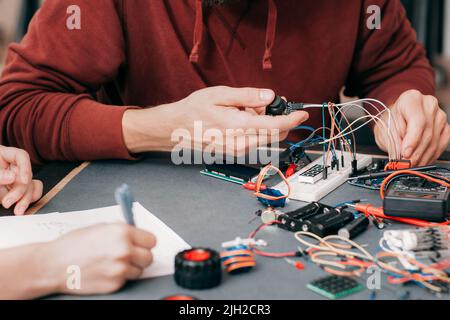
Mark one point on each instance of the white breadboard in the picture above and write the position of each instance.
(309, 192)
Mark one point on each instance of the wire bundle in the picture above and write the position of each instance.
(389, 128)
(344, 257)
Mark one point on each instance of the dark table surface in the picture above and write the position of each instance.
(206, 212)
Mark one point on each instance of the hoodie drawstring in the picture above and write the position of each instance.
(270, 33)
(198, 32)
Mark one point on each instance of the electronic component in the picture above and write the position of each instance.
(235, 173)
(335, 287)
(327, 223)
(425, 243)
(279, 202)
(198, 268)
(415, 197)
(269, 215)
(238, 259)
(373, 178)
(355, 228)
(310, 192)
(312, 175)
(398, 165)
(296, 264)
(280, 107)
(317, 218)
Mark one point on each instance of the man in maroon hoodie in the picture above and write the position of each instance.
(74, 88)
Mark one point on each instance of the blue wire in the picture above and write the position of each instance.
(313, 139)
(309, 128)
(343, 204)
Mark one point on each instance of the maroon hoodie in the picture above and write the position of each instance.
(63, 92)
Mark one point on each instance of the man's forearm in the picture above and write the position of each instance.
(148, 129)
(25, 273)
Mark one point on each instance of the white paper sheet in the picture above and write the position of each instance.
(17, 231)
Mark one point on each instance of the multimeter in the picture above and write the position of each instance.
(416, 197)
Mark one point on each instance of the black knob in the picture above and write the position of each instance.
(277, 108)
(198, 268)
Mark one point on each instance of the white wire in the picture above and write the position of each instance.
(404, 254)
(392, 146)
(391, 139)
(353, 103)
(372, 118)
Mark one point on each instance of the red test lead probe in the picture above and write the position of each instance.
(372, 211)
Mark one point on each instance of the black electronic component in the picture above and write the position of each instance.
(325, 173)
(335, 287)
(312, 175)
(277, 108)
(335, 164)
(327, 223)
(415, 197)
(355, 228)
(354, 167)
(317, 218)
(280, 107)
(198, 268)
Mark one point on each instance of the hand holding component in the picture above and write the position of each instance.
(280, 106)
(423, 129)
(232, 112)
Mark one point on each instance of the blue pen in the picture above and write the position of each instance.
(124, 199)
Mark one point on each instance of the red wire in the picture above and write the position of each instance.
(252, 235)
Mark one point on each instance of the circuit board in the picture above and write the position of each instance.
(375, 183)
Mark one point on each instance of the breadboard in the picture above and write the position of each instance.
(309, 192)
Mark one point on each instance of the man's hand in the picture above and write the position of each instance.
(423, 129)
(16, 180)
(218, 108)
(107, 255)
